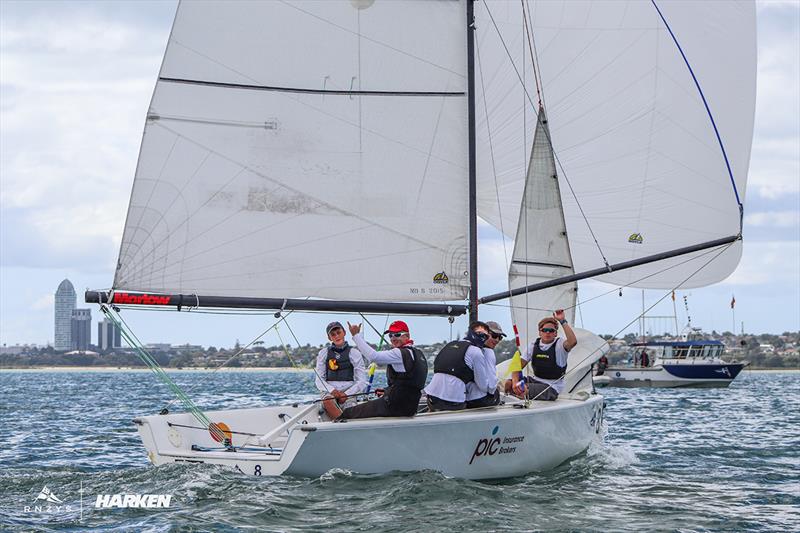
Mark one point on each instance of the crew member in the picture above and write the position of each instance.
(475, 396)
(456, 365)
(340, 371)
(548, 357)
(602, 364)
(406, 372)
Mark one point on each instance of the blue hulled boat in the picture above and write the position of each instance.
(679, 363)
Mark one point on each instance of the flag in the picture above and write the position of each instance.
(733, 301)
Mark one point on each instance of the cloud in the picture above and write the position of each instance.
(777, 219)
(775, 263)
(44, 303)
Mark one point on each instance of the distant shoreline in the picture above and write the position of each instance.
(233, 369)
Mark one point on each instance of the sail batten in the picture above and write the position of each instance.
(305, 149)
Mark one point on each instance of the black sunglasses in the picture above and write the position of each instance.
(496, 335)
(547, 330)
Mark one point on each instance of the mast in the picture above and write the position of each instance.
(473, 206)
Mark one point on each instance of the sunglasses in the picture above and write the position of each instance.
(397, 335)
(547, 330)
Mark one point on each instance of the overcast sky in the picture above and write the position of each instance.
(75, 82)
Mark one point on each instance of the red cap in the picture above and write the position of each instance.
(397, 326)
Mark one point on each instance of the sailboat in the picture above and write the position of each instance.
(335, 156)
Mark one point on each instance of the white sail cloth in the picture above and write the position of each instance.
(541, 247)
(630, 128)
(257, 178)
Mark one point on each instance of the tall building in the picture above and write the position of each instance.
(81, 329)
(65, 303)
(108, 336)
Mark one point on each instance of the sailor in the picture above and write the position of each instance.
(475, 395)
(548, 357)
(602, 364)
(340, 371)
(406, 372)
(458, 364)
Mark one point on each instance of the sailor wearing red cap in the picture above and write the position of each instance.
(406, 372)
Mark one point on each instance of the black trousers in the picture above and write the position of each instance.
(437, 404)
(490, 400)
(370, 409)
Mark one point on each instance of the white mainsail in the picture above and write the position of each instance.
(626, 93)
(256, 178)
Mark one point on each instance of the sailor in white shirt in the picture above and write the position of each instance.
(340, 371)
(406, 372)
(475, 395)
(456, 365)
(548, 356)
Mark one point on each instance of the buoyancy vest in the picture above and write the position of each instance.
(450, 360)
(338, 366)
(544, 362)
(405, 388)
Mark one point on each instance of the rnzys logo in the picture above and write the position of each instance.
(441, 278)
(47, 502)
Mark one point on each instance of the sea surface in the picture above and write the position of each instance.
(670, 459)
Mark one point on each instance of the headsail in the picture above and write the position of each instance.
(541, 247)
(297, 149)
(651, 108)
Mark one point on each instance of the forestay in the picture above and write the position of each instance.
(624, 90)
(299, 149)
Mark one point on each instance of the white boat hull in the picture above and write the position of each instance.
(500, 442)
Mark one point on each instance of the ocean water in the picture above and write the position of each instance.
(670, 459)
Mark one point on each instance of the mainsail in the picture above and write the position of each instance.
(305, 149)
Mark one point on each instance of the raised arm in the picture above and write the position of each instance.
(384, 357)
(570, 341)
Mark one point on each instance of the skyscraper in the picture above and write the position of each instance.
(108, 336)
(81, 329)
(65, 303)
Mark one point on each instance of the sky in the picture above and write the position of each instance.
(75, 82)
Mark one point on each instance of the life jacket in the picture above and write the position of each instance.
(405, 388)
(338, 366)
(450, 360)
(544, 362)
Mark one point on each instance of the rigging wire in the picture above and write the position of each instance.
(156, 368)
(644, 311)
(549, 139)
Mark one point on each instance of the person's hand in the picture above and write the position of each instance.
(518, 388)
(339, 395)
(559, 315)
(379, 392)
(354, 329)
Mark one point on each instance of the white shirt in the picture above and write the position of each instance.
(359, 383)
(385, 357)
(561, 360)
(473, 391)
(452, 389)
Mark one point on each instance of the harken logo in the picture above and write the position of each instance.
(47, 495)
(441, 277)
(636, 238)
(128, 501)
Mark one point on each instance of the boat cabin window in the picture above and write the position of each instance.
(667, 352)
(681, 352)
